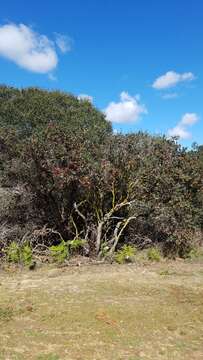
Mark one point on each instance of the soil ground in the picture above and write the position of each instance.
(103, 312)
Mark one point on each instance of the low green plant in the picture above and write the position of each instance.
(76, 244)
(26, 254)
(60, 252)
(125, 254)
(104, 250)
(153, 254)
(19, 254)
(13, 252)
(166, 272)
(194, 253)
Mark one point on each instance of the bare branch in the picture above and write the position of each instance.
(79, 212)
(117, 233)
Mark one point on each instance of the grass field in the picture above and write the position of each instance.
(103, 312)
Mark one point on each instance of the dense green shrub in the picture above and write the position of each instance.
(86, 183)
(28, 111)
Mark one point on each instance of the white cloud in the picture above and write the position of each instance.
(127, 110)
(26, 48)
(180, 132)
(85, 97)
(181, 129)
(30, 50)
(189, 119)
(171, 79)
(63, 42)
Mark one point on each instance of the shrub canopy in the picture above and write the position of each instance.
(83, 181)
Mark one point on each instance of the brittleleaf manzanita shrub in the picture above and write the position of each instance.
(169, 185)
(87, 183)
(49, 143)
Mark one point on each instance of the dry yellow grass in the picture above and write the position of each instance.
(103, 312)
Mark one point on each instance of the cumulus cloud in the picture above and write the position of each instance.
(63, 42)
(85, 97)
(27, 49)
(180, 132)
(127, 110)
(181, 129)
(171, 79)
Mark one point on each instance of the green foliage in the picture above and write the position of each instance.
(166, 273)
(13, 253)
(29, 111)
(192, 254)
(60, 252)
(153, 254)
(76, 244)
(104, 250)
(180, 243)
(26, 254)
(195, 253)
(19, 254)
(63, 152)
(125, 254)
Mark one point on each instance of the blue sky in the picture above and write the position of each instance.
(141, 61)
